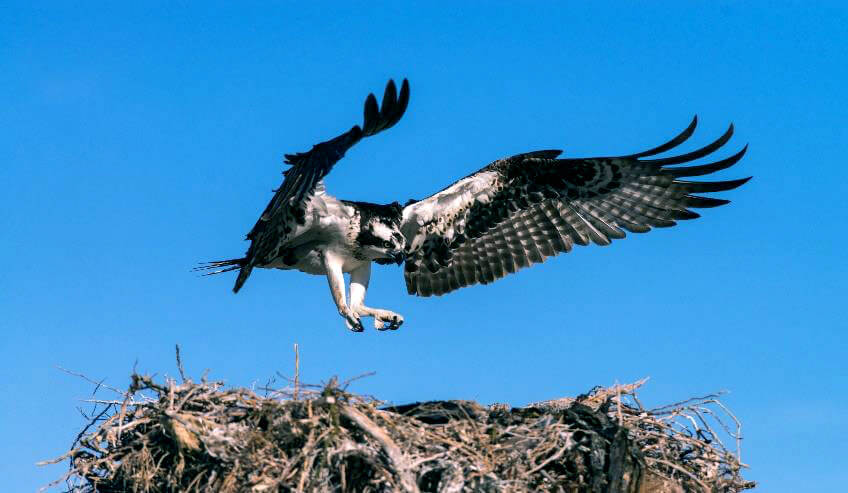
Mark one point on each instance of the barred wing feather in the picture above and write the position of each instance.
(520, 210)
(287, 206)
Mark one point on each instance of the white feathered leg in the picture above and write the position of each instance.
(383, 319)
(335, 277)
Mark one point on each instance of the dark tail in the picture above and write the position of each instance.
(220, 266)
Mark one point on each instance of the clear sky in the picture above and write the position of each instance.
(137, 141)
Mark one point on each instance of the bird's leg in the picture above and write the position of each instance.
(383, 319)
(335, 277)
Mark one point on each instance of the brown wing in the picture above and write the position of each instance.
(520, 210)
(307, 169)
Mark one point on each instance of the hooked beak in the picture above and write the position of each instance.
(398, 256)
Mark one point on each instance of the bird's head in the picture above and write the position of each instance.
(380, 238)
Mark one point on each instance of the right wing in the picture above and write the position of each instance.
(301, 180)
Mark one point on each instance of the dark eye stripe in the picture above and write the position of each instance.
(367, 238)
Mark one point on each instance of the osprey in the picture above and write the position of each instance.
(510, 214)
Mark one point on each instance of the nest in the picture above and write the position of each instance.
(189, 436)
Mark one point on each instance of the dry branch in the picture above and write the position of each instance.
(200, 437)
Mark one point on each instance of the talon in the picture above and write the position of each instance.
(395, 322)
(352, 321)
(384, 319)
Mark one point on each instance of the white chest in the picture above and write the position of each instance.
(312, 261)
(328, 227)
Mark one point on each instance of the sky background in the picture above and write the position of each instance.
(137, 141)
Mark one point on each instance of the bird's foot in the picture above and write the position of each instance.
(351, 319)
(387, 320)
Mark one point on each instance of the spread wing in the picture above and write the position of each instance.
(520, 210)
(300, 182)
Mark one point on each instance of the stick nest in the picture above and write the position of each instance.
(203, 437)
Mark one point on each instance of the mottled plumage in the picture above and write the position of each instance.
(511, 214)
(520, 210)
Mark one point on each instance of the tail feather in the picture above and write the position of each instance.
(221, 266)
(244, 273)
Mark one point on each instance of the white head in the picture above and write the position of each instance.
(379, 237)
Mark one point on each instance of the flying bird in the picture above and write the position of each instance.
(511, 214)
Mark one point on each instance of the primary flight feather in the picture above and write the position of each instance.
(511, 214)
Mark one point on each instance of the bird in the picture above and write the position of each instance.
(511, 214)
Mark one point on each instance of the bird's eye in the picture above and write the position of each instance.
(387, 244)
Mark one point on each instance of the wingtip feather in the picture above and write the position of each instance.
(696, 154)
(391, 110)
(674, 142)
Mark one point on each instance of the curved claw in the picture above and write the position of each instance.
(355, 326)
(352, 321)
(391, 321)
(396, 326)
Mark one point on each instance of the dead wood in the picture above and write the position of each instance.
(202, 437)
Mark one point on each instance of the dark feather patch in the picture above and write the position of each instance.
(308, 169)
(538, 206)
(388, 214)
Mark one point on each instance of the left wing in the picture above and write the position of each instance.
(520, 210)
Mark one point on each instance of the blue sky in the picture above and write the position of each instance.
(137, 141)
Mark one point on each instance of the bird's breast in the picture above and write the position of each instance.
(329, 226)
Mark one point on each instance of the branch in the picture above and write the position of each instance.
(396, 458)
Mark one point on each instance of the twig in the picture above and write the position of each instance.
(90, 424)
(396, 457)
(180, 363)
(618, 403)
(738, 435)
(550, 459)
(666, 463)
(97, 383)
(296, 369)
(350, 380)
(684, 403)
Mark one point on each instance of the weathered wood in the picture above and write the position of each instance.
(199, 437)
